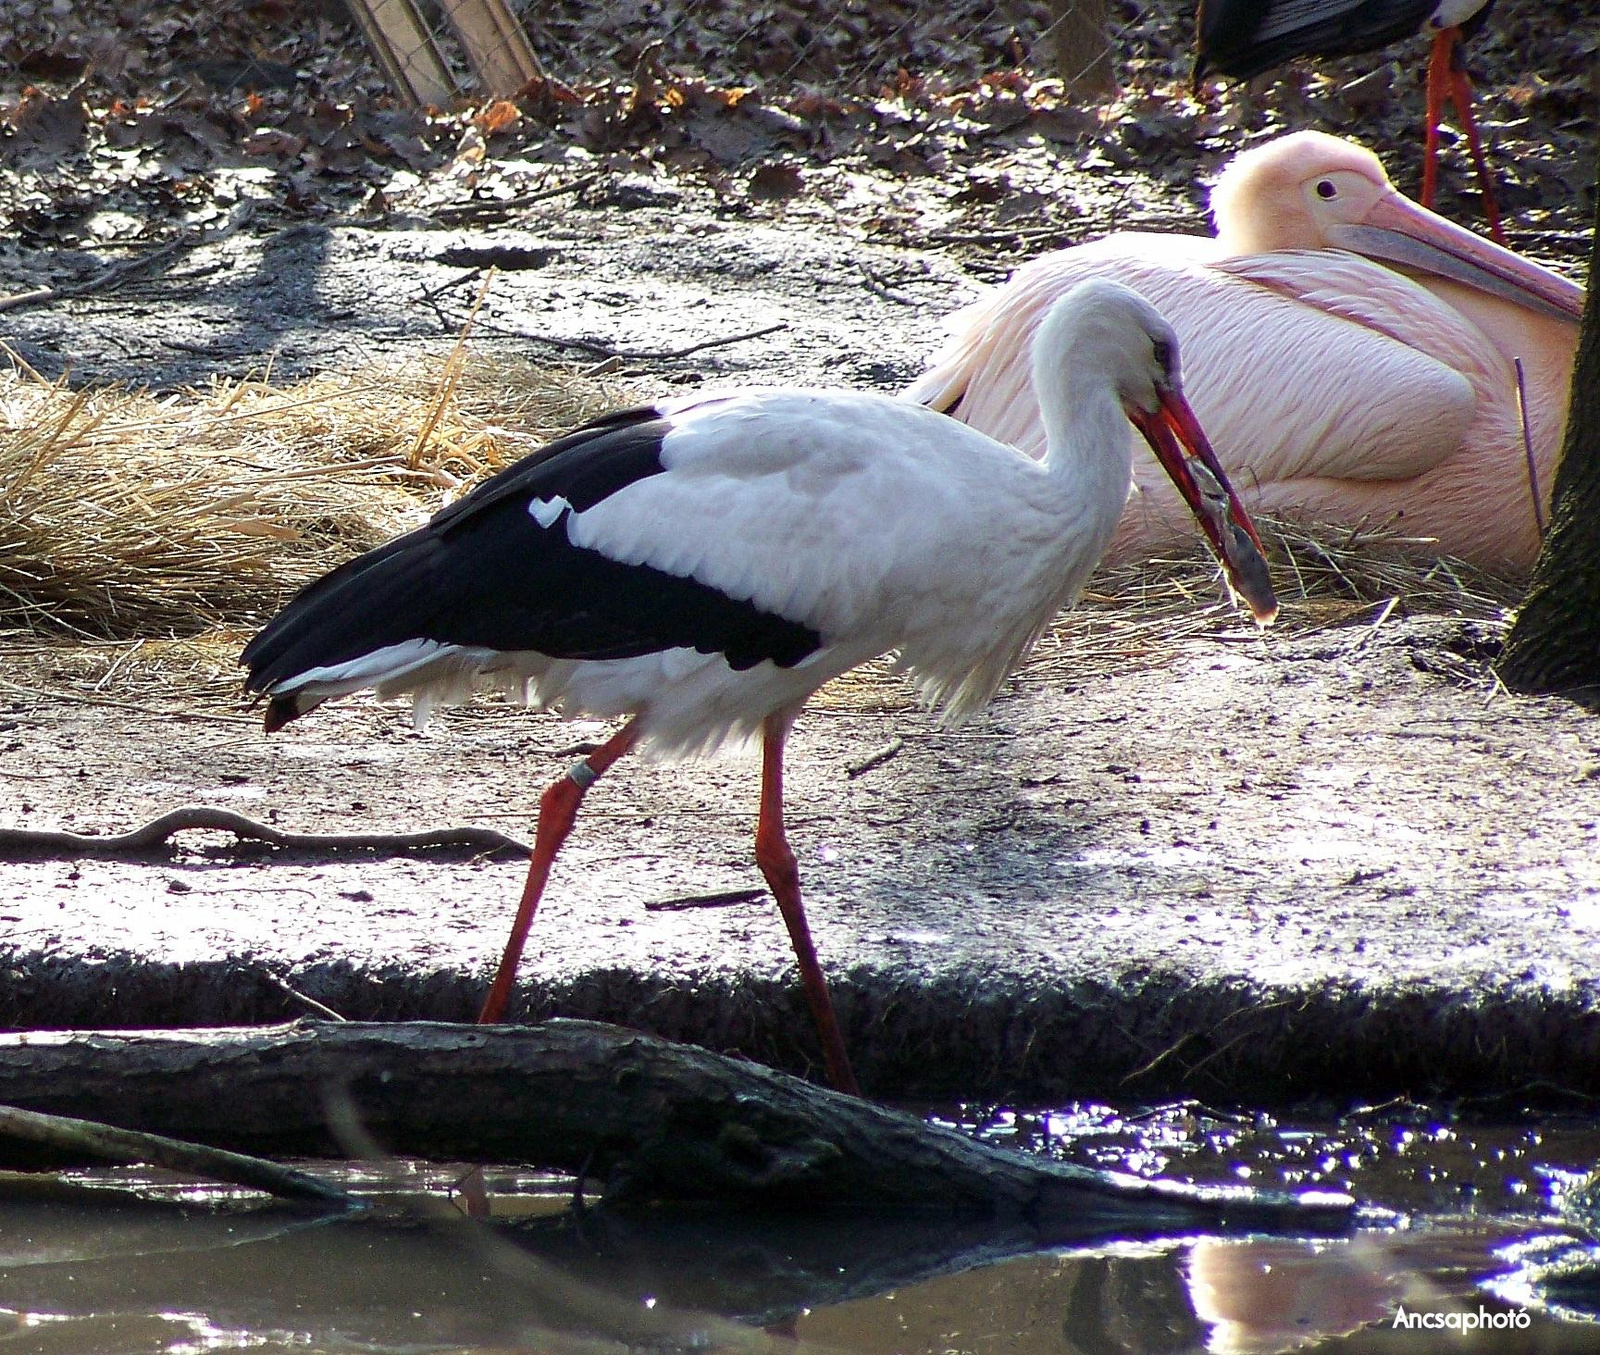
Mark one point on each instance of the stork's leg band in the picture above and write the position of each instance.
(582, 775)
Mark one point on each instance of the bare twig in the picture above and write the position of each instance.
(1527, 447)
(309, 1003)
(434, 293)
(876, 758)
(880, 287)
(999, 236)
(73, 1136)
(478, 211)
(606, 350)
(722, 899)
(17, 300)
(1361, 641)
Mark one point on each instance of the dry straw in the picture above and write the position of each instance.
(138, 519)
(128, 514)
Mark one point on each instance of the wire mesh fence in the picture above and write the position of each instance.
(156, 50)
(163, 110)
(104, 103)
(469, 49)
(850, 45)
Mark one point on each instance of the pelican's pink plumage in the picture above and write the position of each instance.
(1334, 386)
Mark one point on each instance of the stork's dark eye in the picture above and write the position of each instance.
(1326, 189)
(1163, 355)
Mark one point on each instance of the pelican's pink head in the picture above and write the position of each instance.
(1310, 190)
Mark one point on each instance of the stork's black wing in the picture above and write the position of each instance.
(486, 571)
(1243, 38)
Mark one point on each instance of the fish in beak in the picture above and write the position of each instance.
(1185, 453)
(1406, 234)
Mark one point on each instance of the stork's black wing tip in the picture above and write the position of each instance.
(280, 710)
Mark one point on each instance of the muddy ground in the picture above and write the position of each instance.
(1341, 864)
(1326, 863)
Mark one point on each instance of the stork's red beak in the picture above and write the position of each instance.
(1185, 453)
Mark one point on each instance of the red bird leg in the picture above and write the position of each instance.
(557, 810)
(1461, 96)
(1438, 75)
(783, 877)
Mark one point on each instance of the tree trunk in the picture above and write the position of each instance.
(1554, 645)
(1080, 43)
(650, 1119)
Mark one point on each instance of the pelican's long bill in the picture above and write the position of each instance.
(1402, 232)
(1185, 453)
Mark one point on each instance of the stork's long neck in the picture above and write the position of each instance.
(1088, 439)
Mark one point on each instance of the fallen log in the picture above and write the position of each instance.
(648, 1119)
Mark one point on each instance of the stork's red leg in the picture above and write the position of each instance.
(1447, 77)
(1444, 42)
(557, 810)
(1461, 96)
(783, 876)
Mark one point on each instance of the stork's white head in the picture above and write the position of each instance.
(1103, 337)
(1105, 332)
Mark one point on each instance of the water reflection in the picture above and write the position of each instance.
(150, 1275)
(1260, 1296)
(1226, 1297)
(175, 1269)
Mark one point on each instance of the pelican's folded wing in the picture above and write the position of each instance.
(1322, 364)
(1300, 364)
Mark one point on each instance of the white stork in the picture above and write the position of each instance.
(701, 566)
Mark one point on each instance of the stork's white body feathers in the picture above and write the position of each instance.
(881, 527)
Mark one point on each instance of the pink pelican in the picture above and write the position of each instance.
(701, 566)
(1352, 355)
(1243, 38)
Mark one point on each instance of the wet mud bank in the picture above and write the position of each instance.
(1338, 865)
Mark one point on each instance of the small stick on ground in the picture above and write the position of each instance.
(876, 758)
(309, 1003)
(722, 899)
(478, 211)
(1370, 631)
(1527, 447)
(606, 350)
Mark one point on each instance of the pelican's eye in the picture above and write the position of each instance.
(1327, 189)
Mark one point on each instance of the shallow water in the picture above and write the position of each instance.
(1463, 1215)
